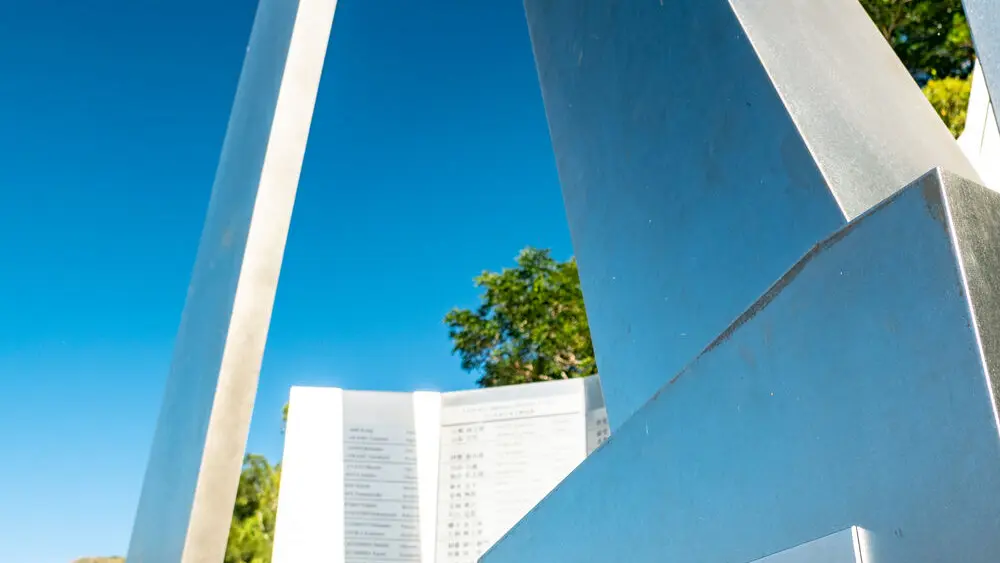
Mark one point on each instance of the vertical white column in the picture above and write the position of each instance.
(187, 497)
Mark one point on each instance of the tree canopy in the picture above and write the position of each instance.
(251, 535)
(950, 99)
(931, 37)
(530, 325)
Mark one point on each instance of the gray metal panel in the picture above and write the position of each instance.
(190, 484)
(689, 192)
(866, 123)
(980, 139)
(852, 393)
(975, 217)
(984, 18)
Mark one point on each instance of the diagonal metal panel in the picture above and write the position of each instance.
(190, 484)
(984, 19)
(980, 140)
(855, 392)
(974, 216)
(703, 146)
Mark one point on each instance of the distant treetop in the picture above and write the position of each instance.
(530, 325)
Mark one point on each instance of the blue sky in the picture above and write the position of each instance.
(429, 161)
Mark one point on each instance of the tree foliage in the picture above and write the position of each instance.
(251, 535)
(950, 98)
(530, 325)
(931, 37)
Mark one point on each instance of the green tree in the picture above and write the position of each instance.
(931, 37)
(950, 98)
(251, 535)
(530, 325)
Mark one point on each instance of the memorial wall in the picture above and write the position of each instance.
(425, 477)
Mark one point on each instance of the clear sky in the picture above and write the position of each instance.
(429, 161)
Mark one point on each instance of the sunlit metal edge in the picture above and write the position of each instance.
(210, 508)
(984, 20)
(892, 82)
(973, 215)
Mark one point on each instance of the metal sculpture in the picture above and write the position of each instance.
(703, 146)
(688, 193)
(860, 390)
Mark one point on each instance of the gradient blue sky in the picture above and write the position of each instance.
(429, 161)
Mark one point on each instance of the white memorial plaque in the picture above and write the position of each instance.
(381, 515)
(426, 477)
(499, 457)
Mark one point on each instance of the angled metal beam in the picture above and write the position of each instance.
(190, 484)
(703, 146)
(860, 390)
(980, 140)
(984, 19)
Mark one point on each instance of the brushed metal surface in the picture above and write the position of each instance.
(190, 484)
(703, 146)
(860, 390)
(984, 19)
